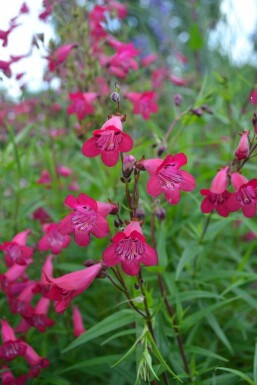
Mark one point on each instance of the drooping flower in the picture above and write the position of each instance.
(178, 81)
(9, 379)
(217, 196)
(149, 59)
(108, 142)
(36, 362)
(78, 327)
(144, 103)
(81, 104)
(64, 289)
(21, 304)
(38, 316)
(16, 251)
(59, 56)
(53, 239)
(245, 195)
(12, 347)
(41, 215)
(242, 150)
(129, 248)
(88, 216)
(165, 177)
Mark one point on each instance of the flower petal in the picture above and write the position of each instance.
(110, 257)
(89, 148)
(153, 186)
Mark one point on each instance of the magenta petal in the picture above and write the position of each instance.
(180, 160)
(249, 211)
(153, 186)
(101, 228)
(133, 226)
(71, 201)
(188, 182)
(173, 197)
(130, 267)
(104, 208)
(110, 257)
(150, 257)
(82, 238)
(89, 148)
(206, 206)
(110, 158)
(151, 165)
(65, 225)
(232, 203)
(85, 200)
(126, 144)
(43, 244)
(21, 238)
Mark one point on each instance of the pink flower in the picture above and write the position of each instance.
(178, 81)
(41, 215)
(96, 19)
(16, 251)
(81, 104)
(242, 150)
(65, 288)
(48, 269)
(245, 195)
(24, 8)
(143, 102)
(53, 239)
(217, 196)
(12, 347)
(63, 171)
(130, 249)
(122, 61)
(78, 327)
(45, 178)
(38, 317)
(59, 56)
(35, 361)
(149, 59)
(88, 216)
(121, 9)
(9, 379)
(109, 141)
(5, 67)
(253, 97)
(21, 304)
(165, 177)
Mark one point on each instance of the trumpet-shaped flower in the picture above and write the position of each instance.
(144, 103)
(53, 239)
(108, 142)
(16, 251)
(65, 288)
(245, 195)
(130, 249)
(81, 104)
(12, 347)
(165, 177)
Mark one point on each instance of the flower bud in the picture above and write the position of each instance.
(160, 213)
(115, 97)
(128, 165)
(242, 150)
(178, 99)
(161, 149)
(89, 262)
(140, 214)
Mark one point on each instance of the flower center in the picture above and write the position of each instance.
(55, 238)
(15, 253)
(169, 178)
(12, 349)
(246, 195)
(108, 140)
(130, 249)
(84, 218)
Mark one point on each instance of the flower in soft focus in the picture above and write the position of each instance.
(16, 251)
(96, 20)
(158, 77)
(9, 379)
(122, 61)
(181, 57)
(12, 347)
(35, 361)
(62, 290)
(41, 215)
(63, 171)
(81, 104)
(45, 178)
(53, 240)
(59, 56)
(121, 9)
(88, 216)
(149, 59)
(144, 103)
(130, 249)
(165, 177)
(5, 67)
(48, 269)
(5, 34)
(108, 142)
(21, 303)
(38, 317)
(178, 81)
(253, 97)
(217, 196)
(24, 8)
(78, 327)
(242, 150)
(245, 195)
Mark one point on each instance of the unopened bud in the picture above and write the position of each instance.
(128, 165)
(140, 214)
(89, 262)
(197, 111)
(207, 109)
(136, 286)
(178, 99)
(254, 120)
(115, 97)
(160, 213)
(161, 149)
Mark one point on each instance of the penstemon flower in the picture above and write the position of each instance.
(12, 347)
(245, 195)
(130, 249)
(108, 142)
(53, 239)
(88, 216)
(165, 177)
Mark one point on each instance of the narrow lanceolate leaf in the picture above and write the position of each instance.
(96, 361)
(205, 352)
(239, 374)
(212, 320)
(189, 253)
(109, 324)
(255, 365)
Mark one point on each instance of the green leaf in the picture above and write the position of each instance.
(239, 374)
(188, 254)
(97, 361)
(255, 365)
(205, 353)
(196, 41)
(218, 331)
(112, 322)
